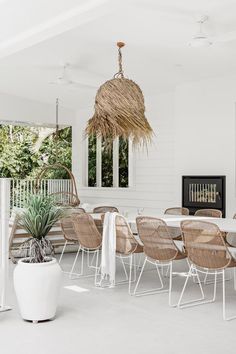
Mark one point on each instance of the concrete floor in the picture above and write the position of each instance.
(110, 321)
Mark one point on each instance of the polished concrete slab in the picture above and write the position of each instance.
(105, 321)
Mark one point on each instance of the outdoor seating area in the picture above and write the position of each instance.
(117, 176)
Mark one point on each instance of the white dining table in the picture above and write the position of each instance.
(224, 224)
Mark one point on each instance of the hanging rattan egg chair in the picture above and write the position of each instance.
(68, 197)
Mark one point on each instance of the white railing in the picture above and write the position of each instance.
(21, 188)
(4, 240)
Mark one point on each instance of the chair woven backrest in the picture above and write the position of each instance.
(205, 245)
(67, 224)
(175, 232)
(86, 231)
(231, 236)
(77, 210)
(157, 241)
(177, 211)
(125, 240)
(212, 213)
(105, 209)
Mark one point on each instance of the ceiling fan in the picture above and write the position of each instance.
(203, 39)
(64, 79)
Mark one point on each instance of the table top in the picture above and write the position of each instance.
(224, 224)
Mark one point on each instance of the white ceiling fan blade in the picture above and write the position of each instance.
(64, 80)
(70, 83)
(227, 37)
(82, 84)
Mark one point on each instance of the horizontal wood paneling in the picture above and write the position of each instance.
(153, 187)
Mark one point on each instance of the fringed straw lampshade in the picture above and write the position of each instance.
(120, 110)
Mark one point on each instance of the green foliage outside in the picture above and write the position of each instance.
(107, 163)
(92, 152)
(24, 151)
(123, 163)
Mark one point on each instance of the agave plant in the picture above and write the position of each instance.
(38, 217)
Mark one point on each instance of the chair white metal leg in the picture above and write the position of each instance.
(128, 279)
(123, 265)
(97, 269)
(234, 271)
(207, 282)
(90, 265)
(170, 267)
(159, 290)
(132, 265)
(130, 272)
(224, 300)
(140, 260)
(62, 253)
(74, 263)
(81, 274)
(152, 291)
(200, 301)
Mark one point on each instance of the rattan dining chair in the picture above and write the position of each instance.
(175, 232)
(159, 249)
(89, 239)
(68, 229)
(177, 211)
(208, 254)
(127, 246)
(231, 237)
(212, 213)
(105, 209)
(78, 210)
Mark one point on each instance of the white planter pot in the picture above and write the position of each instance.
(37, 287)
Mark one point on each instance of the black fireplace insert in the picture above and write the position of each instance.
(203, 192)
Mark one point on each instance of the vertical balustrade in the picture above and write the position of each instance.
(20, 189)
(5, 194)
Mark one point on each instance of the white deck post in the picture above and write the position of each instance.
(4, 239)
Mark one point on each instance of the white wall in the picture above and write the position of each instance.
(195, 134)
(205, 132)
(153, 172)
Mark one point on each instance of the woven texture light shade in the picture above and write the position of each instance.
(120, 110)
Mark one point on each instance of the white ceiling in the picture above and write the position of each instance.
(37, 37)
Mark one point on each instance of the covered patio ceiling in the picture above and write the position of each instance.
(34, 48)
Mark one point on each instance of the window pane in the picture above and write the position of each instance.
(123, 163)
(107, 165)
(92, 153)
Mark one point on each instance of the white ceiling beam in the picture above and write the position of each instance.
(70, 19)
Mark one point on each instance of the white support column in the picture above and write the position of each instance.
(131, 164)
(99, 162)
(116, 163)
(4, 239)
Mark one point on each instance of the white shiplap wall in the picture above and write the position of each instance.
(153, 172)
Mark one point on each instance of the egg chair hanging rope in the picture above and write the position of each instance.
(120, 110)
(66, 198)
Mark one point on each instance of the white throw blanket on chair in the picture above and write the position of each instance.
(108, 262)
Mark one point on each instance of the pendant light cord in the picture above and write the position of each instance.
(120, 73)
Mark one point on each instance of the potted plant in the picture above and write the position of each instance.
(37, 278)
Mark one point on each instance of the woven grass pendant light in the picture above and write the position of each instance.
(120, 110)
